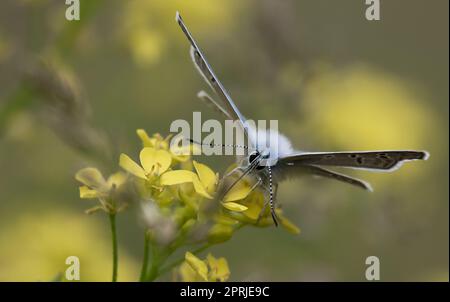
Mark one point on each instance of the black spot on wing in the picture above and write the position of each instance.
(359, 160)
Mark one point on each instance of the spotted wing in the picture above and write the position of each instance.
(372, 160)
(208, 74)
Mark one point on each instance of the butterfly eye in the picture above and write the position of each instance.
(253, 156)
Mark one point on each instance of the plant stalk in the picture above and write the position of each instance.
(112, 220)
(145, 258)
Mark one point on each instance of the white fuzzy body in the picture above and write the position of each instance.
(272, 142)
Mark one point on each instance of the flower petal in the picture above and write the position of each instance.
(131, 166)
(207, 176)
(289, 226)
(87, 193)
(197, 265)
(155, 161)
(255, 204)
(187, 274)
(233, 206)
(183, 153)
(176, 177)
(238, 192)
(116, 179)
(91, 177)
(219, 270)
(146, 141)
(199, 188)
(148, 159)
(253, 211)
(160, 142)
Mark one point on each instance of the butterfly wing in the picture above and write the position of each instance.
(371, 160)
(283, 172)
(210, 102)
(208, 74)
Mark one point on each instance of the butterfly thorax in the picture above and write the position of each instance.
(270, 144)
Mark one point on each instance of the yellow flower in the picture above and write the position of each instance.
(154, 162)
(205, 184)
(95, 186)
(157, 157)
(254, 205)
(240, 191)
(218, 268)
(240, 203)
(156, 141)
(179, 154)
(204, 181)
(211, 269)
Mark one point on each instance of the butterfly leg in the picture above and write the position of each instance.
(273, 195)
(272, 189)
(237, 169)
(271, 201)
(256, 184)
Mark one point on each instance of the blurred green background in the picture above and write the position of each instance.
(73, 93)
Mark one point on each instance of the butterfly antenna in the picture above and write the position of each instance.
(271, 201)
(217, 145)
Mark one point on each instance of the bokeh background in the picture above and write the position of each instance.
(73, 93)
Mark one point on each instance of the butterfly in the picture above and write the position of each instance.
(271, 165)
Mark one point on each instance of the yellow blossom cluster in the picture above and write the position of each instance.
(182, 204)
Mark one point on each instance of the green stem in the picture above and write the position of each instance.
(156, 260)
(145, 259)
(112, 220)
